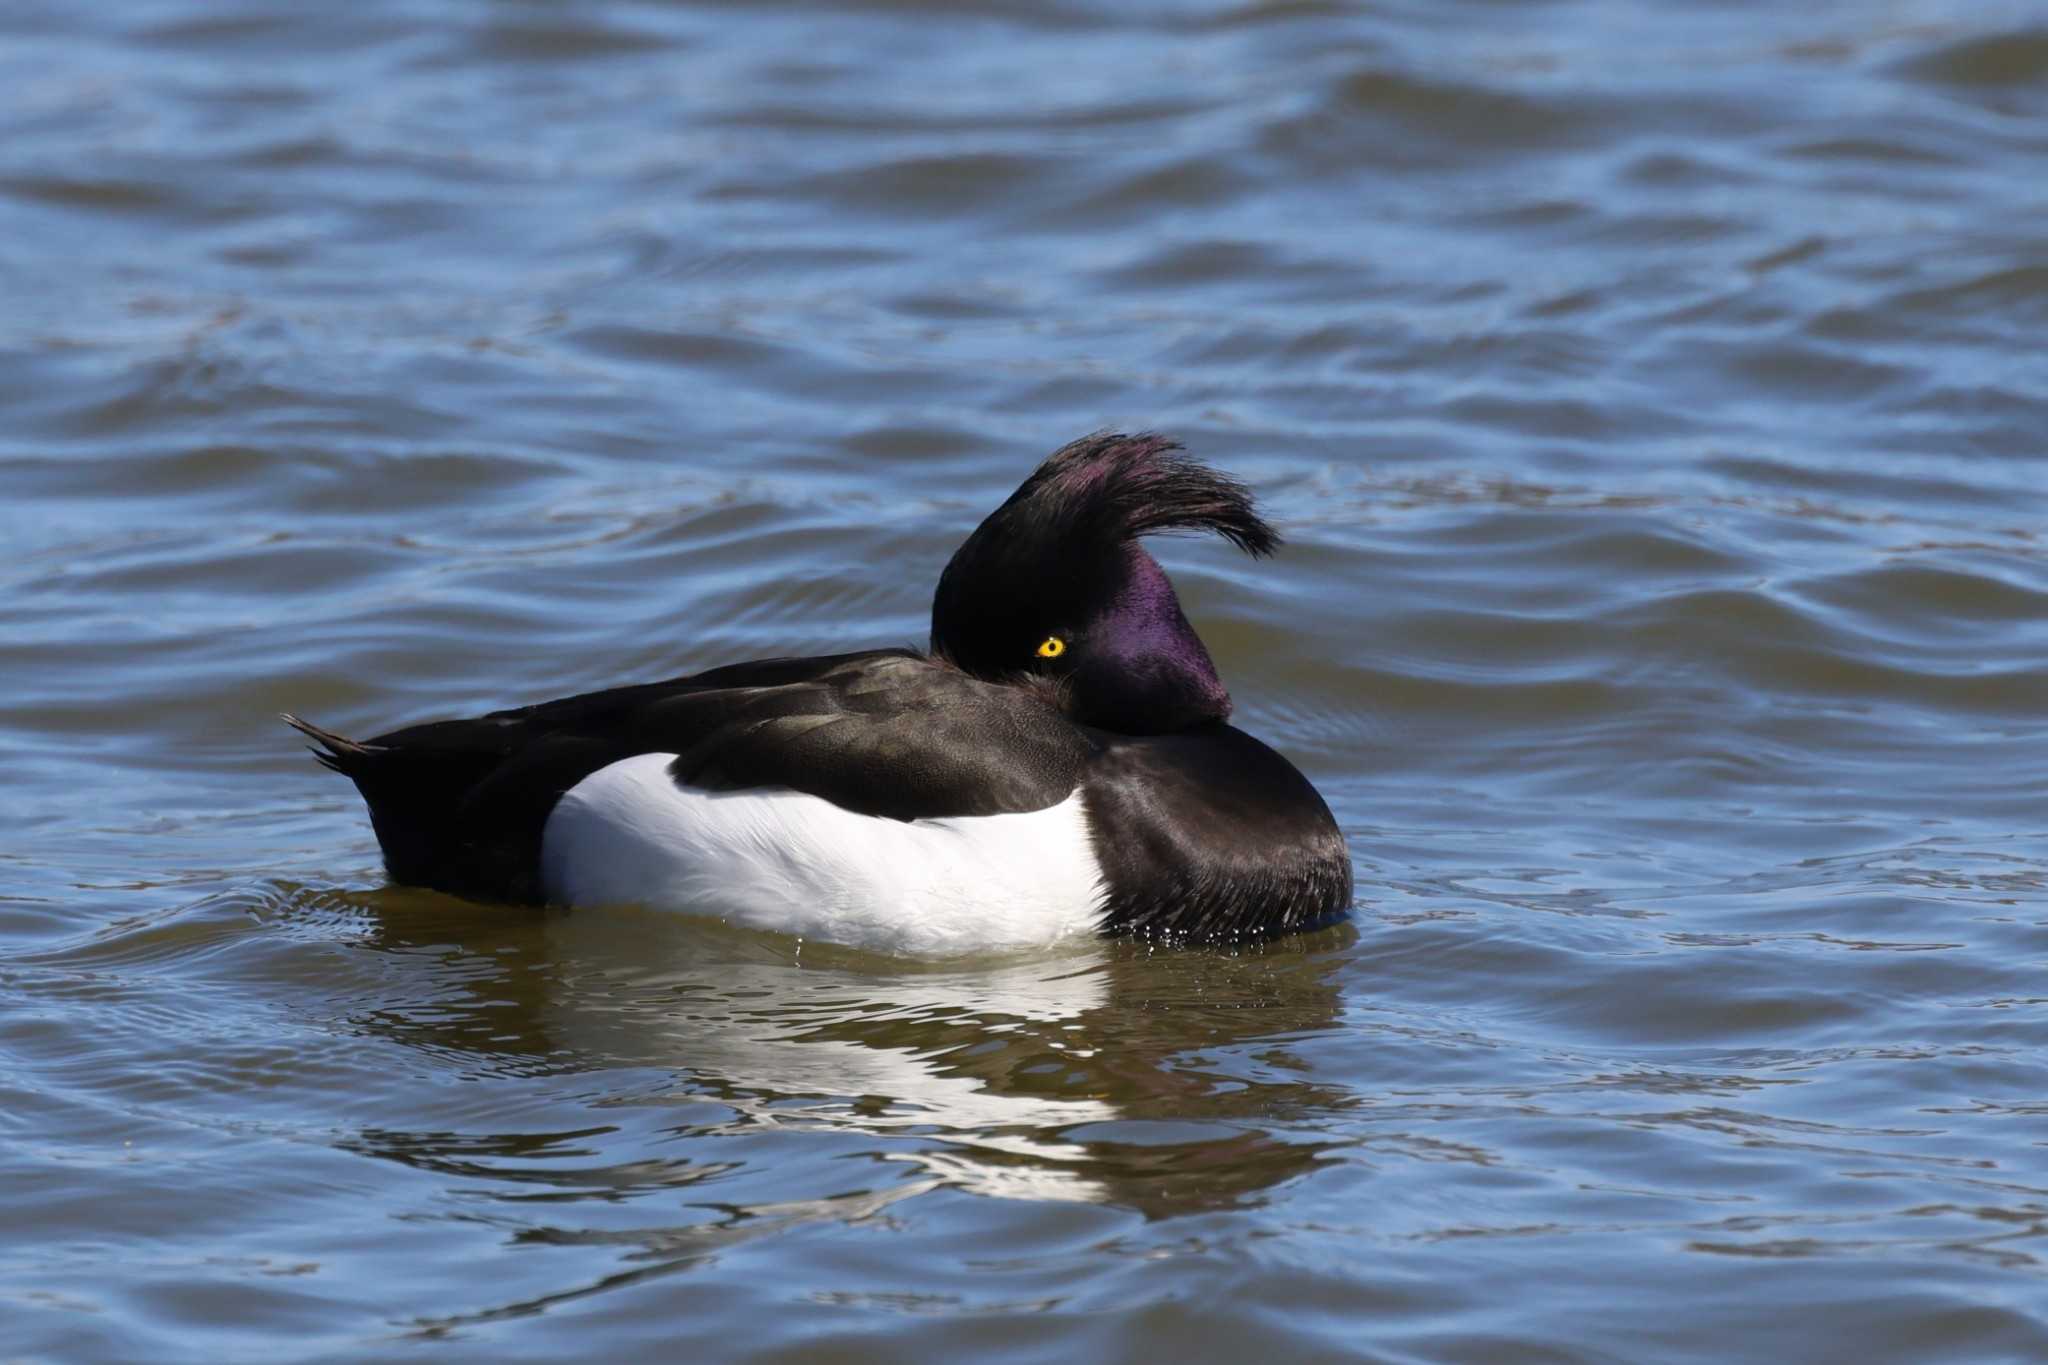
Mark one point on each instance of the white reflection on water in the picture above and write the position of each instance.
(837, 1039)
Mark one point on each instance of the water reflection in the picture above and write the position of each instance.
(1095, 1075)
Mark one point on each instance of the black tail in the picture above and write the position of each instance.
(342, 754)
(423, 787)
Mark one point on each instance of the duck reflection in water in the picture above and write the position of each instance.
(1106, 1074)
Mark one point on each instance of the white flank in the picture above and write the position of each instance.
(782, 860)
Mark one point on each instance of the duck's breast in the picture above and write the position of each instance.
(782, 860)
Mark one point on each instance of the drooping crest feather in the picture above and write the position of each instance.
(1109, 487)
(1093, 496)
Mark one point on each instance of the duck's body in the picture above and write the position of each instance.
(983, 796)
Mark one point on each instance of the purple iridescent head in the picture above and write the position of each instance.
(1055, 584)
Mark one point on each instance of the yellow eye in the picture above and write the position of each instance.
(1051, 647)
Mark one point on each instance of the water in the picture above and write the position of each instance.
(1654, 400)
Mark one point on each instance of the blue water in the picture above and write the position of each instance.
(1652, 398)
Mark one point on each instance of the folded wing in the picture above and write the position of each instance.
(460, 805)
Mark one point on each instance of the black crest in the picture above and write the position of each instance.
(1108, 488)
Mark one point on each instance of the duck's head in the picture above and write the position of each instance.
(1055, 586)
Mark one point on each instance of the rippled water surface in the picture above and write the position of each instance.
(1654, 399)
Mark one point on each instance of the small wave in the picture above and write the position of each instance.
(1996, 61)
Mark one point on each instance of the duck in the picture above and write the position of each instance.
(1058, 763)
